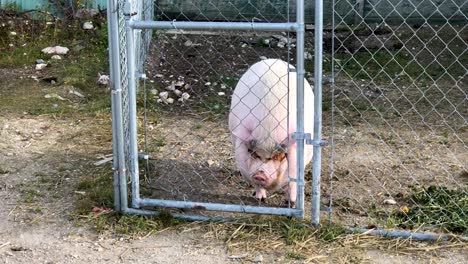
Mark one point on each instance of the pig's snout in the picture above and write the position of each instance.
(260, 178)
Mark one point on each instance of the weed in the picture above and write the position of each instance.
(293, 232)
(438, 207)
(31, 195)
(330, 232)
(295, 255)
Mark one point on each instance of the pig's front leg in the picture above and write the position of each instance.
(260, 193)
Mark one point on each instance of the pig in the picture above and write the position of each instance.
(262, 119)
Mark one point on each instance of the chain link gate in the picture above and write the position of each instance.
(173, 175)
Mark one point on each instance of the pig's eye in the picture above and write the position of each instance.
(279, 156)
(254, 155)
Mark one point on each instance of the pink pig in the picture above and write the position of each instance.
(262, 123)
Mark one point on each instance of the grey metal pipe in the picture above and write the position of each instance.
(406, 234)
(317, 137)
(182, 216)
(258, 26)
(116, 95)
(220, 207)
(300, 72)
(113, 71)
(132, 118)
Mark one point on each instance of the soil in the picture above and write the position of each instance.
(43, 157)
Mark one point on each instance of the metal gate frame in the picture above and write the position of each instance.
(124, 170)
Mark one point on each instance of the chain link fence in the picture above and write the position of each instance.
(400, 115)
(394, 107)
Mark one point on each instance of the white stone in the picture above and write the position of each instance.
(88, 25)
(389, 201)
(163, 95)
(103, 79)
(40, 66)
(56, 57)
(55, 50)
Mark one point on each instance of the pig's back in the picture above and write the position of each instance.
(260, 101)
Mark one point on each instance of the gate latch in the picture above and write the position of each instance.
(308, 139)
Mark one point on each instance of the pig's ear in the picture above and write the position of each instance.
(242, 134)
(252, 145)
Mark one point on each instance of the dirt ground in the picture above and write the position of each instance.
(44, 156)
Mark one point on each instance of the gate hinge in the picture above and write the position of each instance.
(127, 10)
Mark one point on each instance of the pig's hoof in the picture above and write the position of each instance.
(288, 204)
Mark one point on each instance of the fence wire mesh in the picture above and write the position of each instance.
(399, 101)
(400, 104)
(193, 75)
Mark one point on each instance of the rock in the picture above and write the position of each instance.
(55, 50)
(223, 86)
(158, 75)
(103, 79)
(40, 61)
(75, 92)
(163, 95)
(221, 93)
(154, 91)
(265, 42)
(389, 201)
(88, 25)
(53, 95)
(40, 66)
(207, 84)
(262, 57)
(210, 163)
(185, 96)
(169, 100)
(187, 86)
(171, 87)
(179, 84)
(56, 57)
(178, 92)
(307, 55)
(13, 33)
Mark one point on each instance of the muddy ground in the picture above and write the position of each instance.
(48, 147)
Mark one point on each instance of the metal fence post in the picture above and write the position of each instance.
(317, 137)
(116, 104)
(300, 105)
(132, 112)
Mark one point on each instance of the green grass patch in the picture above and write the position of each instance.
(293, 255)
(20, 46)
(438, 207)
(98, 190)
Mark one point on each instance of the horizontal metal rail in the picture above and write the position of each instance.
(407, 234)
(234, 208)
(257, 26)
